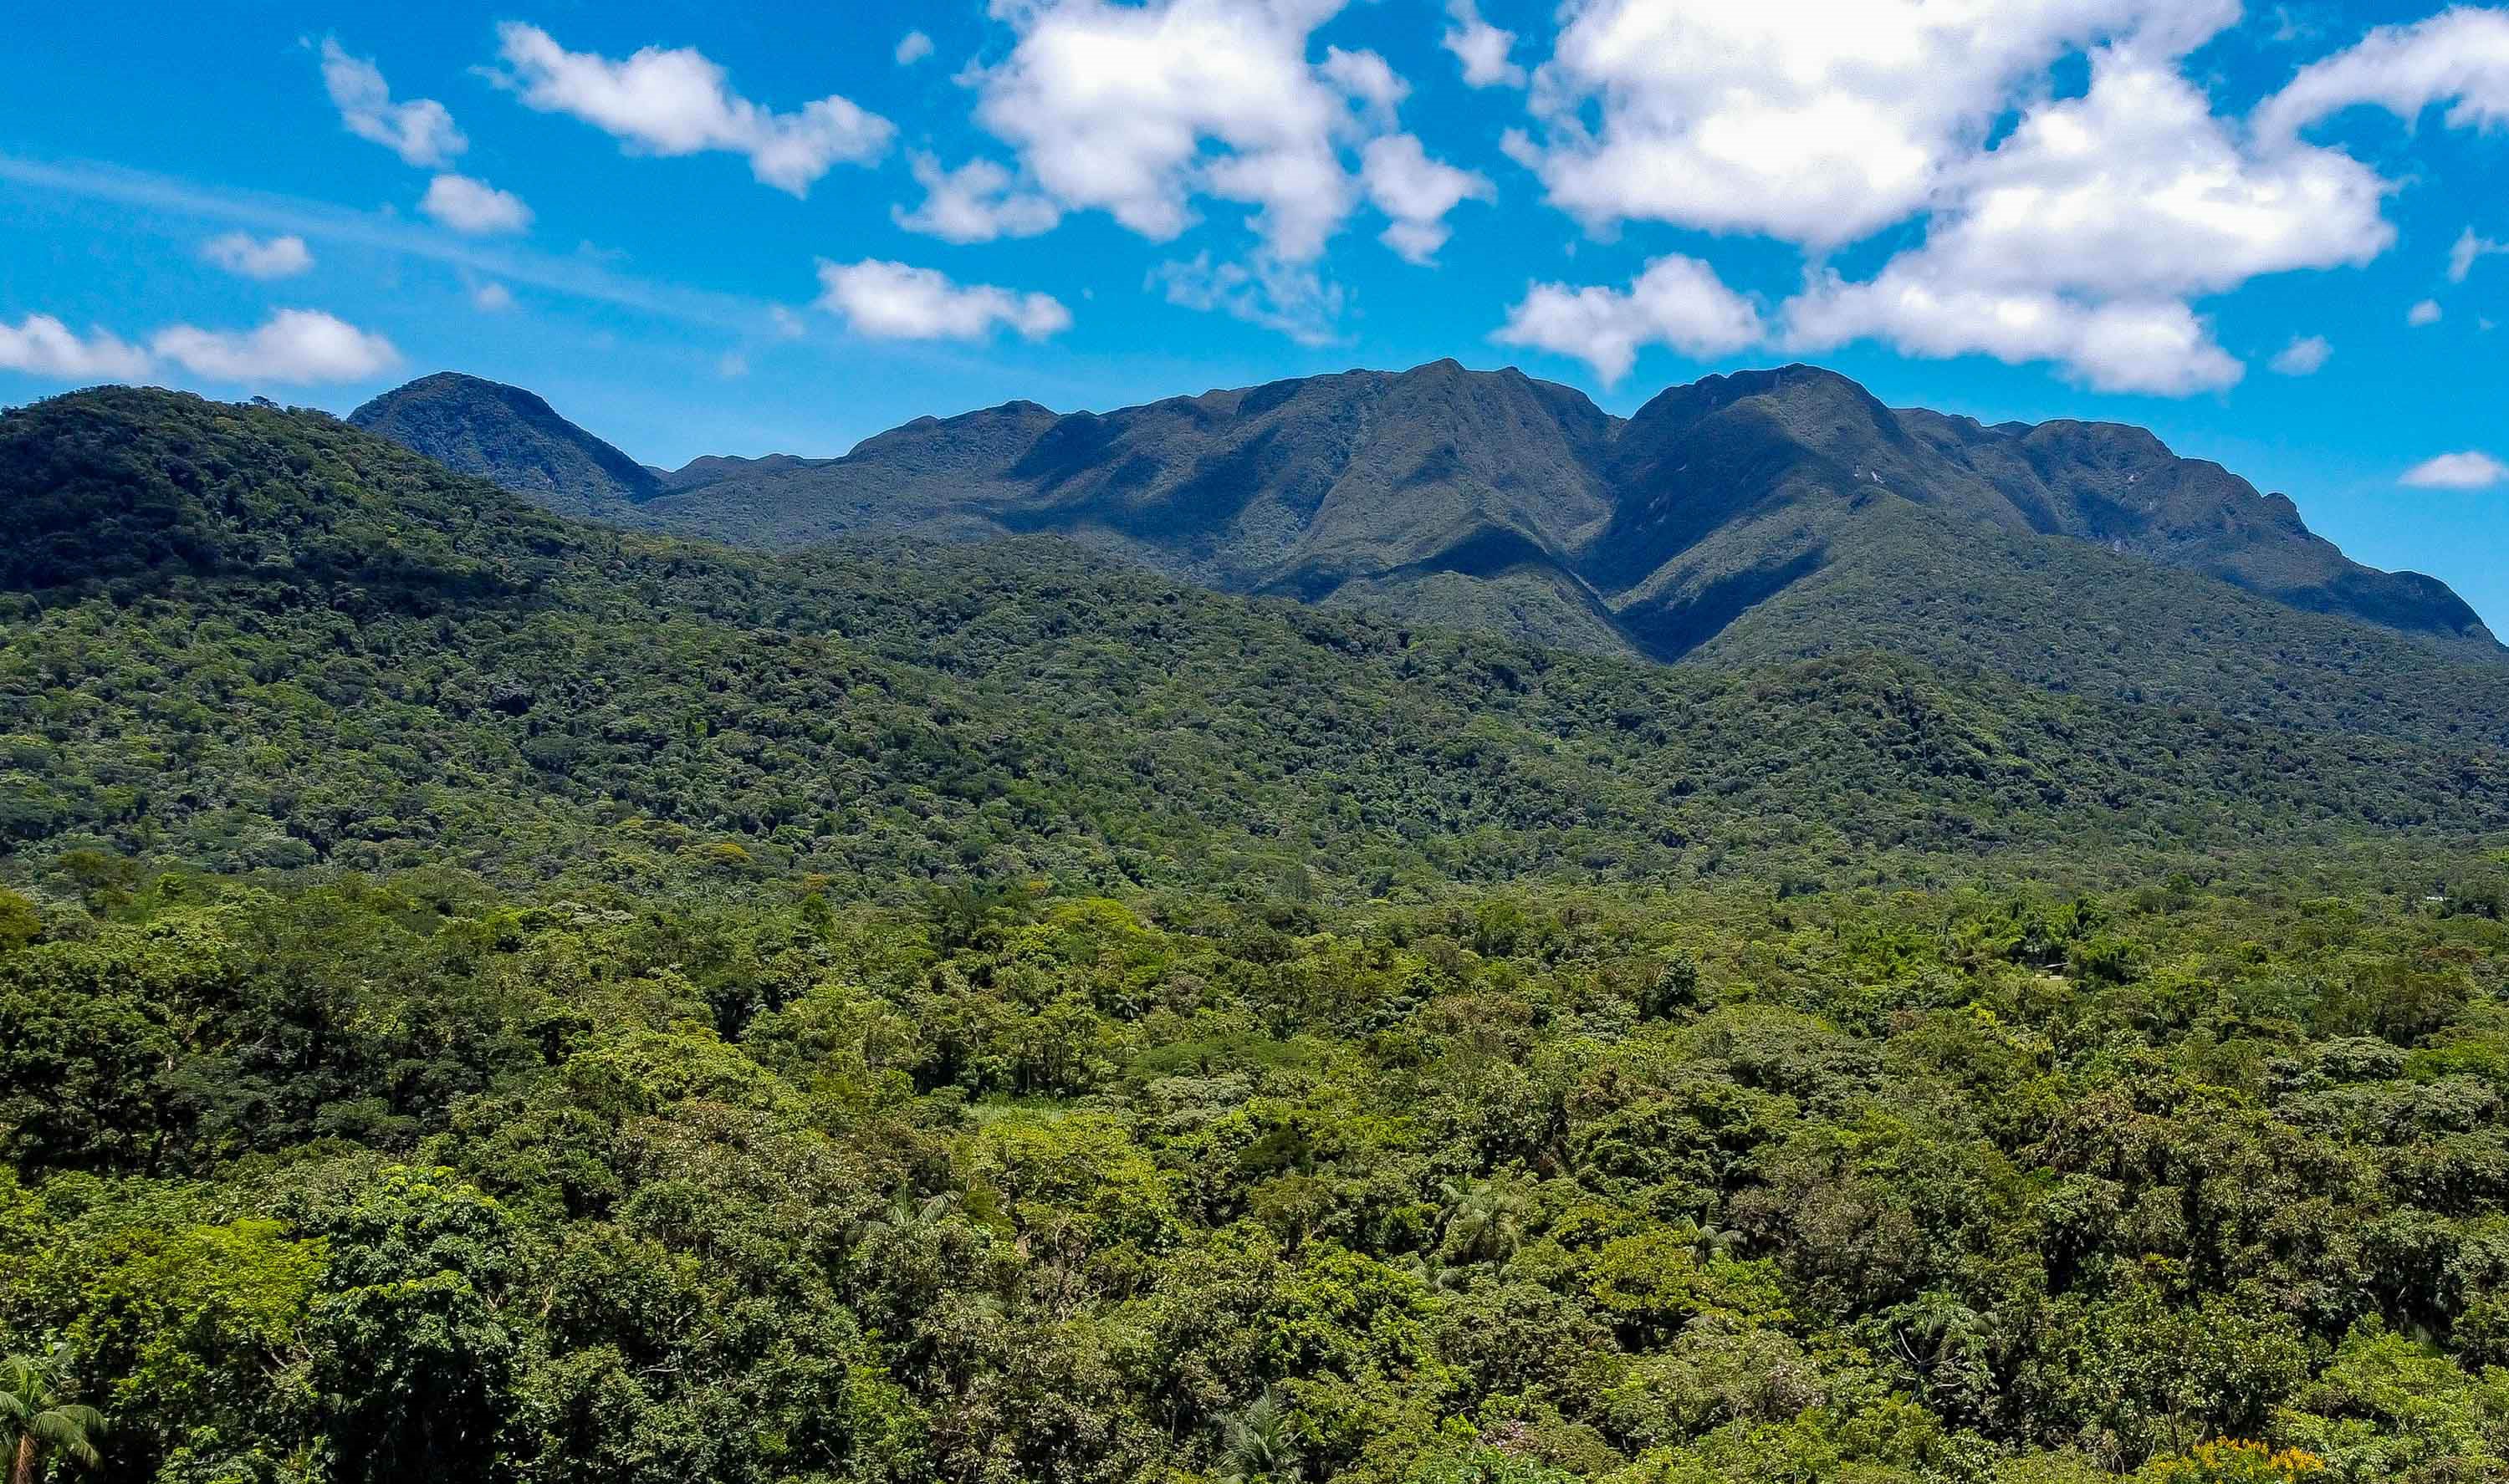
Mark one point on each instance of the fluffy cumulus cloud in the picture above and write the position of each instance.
(893, 301)
(2079, 229)
(40, 344)
(1138, 109)
(1151, 111)
(251, 257)
(2135, 188)
(2081, 237)
(1804, 119)
(976, 203)
(474, 206)
(2306, 355)
(2425, 313)
(295, 346)
(2457, 472)
(1677, 302)
(2157, 347)
(1416, 193)
(678, 102)
(913, 48)
(1368, 80)
(2459, 56)
(420, 131)
(1480, 48)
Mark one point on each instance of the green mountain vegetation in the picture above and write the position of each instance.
(1491, 500)
(485, 996)
(511, 438)
(250, 638)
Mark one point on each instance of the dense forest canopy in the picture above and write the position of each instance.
(484, 997)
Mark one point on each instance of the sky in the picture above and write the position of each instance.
(2277, 235)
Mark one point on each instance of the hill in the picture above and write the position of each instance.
(255, 638)
(1496, 502)
(511, 438)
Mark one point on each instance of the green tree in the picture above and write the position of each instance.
(1261, 1442)
(40, 1417)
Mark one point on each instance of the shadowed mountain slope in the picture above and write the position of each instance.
(1490, 499)
(512, 438)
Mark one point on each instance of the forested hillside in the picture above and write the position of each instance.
(248, 638)
(491, 998)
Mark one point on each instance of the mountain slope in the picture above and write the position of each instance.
(607, 706)
(512, 438)
(1492, 501)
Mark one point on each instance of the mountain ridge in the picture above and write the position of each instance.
(1523, 508)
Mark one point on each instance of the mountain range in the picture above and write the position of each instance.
(239, 637)
(1497, 501)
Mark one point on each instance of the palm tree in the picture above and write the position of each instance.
(38, 1417)
(1261, 1442)
(1486, 1219)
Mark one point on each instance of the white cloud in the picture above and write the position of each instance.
(678, 102)
(2468, 470)
(2459, 56)
(1367, 79)
(2135, 189)
(1291, 298)
(1416, 192)
(1481, 47)
(491, 298)
(976, 203)
(2080, 236)
(2468, 249)
(2302, 357)
(2160, 347)
(1677, 302)
(474, 206)
(42, 345)
(913, 48)
(293, 346)
(786, 324)
(1135, 109)
(893, 300)
(1808, 120)
(421, 131)
(237, 252)
(2425, 313)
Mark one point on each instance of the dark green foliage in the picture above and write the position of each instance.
(380, 665)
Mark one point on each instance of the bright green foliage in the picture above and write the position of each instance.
(1890, 1190)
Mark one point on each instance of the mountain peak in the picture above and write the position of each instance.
(512, 437)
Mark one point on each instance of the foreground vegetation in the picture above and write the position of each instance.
(400, 1179)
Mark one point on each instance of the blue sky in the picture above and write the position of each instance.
(2264, 233)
